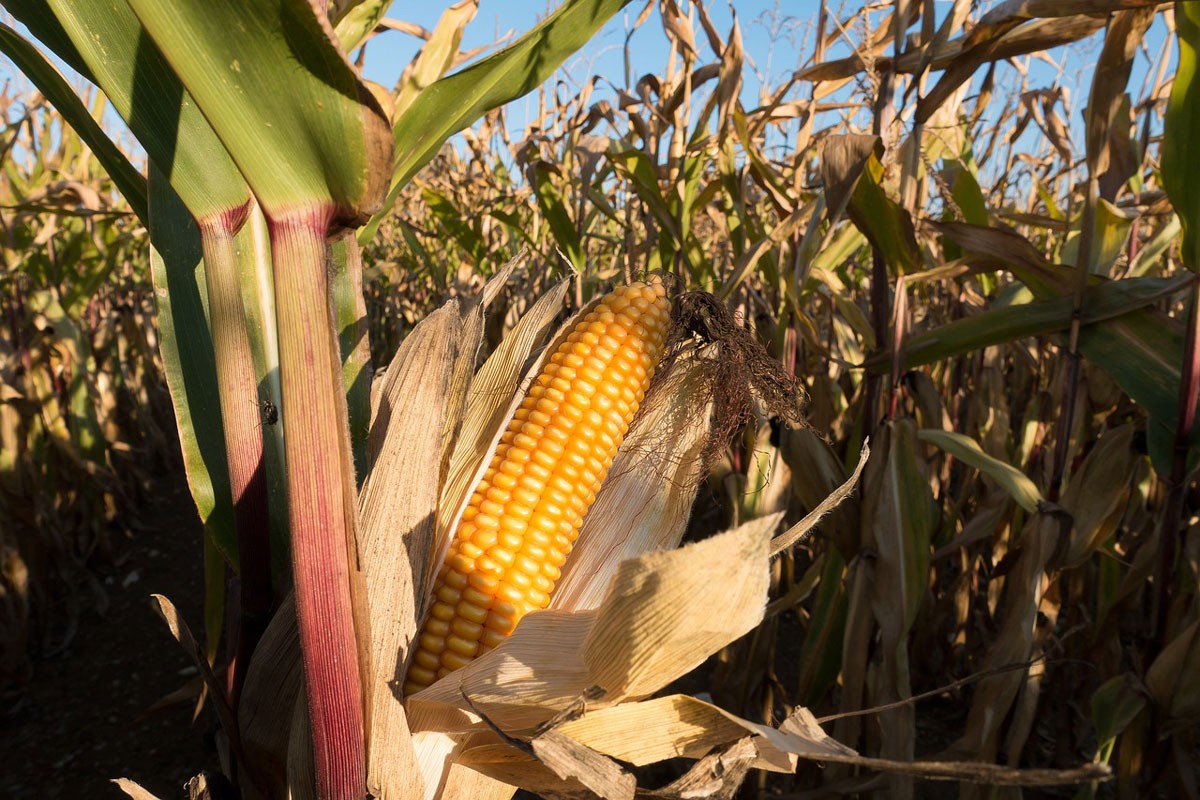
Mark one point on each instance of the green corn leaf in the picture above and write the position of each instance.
(1141, 349)
(1181, 121)
(129, 182)
(550, 202)
(822, 647)
(967, 450)
(1003, 324)
(357, 20)
(456, 101)
(454, 222)
(327, 123)
(884, 221)
(1114, 707)
(188, 362)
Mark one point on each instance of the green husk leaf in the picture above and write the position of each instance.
(967, 450)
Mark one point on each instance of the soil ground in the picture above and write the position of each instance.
(82, 719)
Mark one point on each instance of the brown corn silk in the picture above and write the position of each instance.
(524, 516)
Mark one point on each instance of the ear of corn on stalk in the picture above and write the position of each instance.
(523, 517)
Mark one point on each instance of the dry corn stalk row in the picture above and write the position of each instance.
(84, 417)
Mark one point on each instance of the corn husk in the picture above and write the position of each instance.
(397, 522)
(632, 613)
(647, 497)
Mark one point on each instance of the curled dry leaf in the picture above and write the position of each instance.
(134, 789)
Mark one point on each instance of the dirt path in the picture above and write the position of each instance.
(77, 724)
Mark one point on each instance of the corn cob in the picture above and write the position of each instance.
(523, 517)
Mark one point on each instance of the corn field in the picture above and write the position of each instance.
(899, 502)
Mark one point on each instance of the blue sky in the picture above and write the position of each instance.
(777, 37)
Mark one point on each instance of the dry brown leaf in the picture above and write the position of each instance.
(1099, 491)
(1025, 586)
(1172, 678)
(301, 774)
(133, 789)
(1014, 37)
(1107, 116)
(571, 760)
(183, 635)
(714, 777)
(842, 161)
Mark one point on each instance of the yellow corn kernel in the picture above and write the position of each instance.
(525, 514)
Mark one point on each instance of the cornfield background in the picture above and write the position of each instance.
(989, 292)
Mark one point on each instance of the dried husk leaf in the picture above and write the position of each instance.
(134, 789)
(571, 760)
(714, 777)
(464, 783)
(682, 726)
(268, 699)
(470, 342)
(655, 730)
(644, 635)
(647, 633)
(647, 497)
(436, 751)
(644, 733)
(398, 505)
(506, 765)
(457, 416)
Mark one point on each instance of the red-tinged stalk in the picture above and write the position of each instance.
(1171, 522)
(320, 505)
(238, 393)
